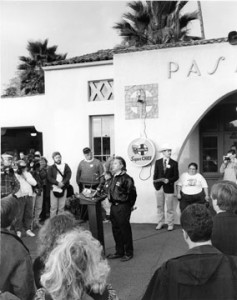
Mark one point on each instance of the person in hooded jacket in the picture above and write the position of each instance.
(203, 273)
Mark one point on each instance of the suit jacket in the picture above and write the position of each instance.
(172, 174)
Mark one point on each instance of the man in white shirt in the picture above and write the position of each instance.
(229, 166)
(25, 215)
(59, 175)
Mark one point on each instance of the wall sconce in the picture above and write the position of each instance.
(33, 134)
(141, 96)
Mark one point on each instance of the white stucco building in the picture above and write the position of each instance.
(189, 100)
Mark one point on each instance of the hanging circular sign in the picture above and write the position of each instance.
(141, 152)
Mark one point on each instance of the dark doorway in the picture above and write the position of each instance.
(20, 139)
(218, 132)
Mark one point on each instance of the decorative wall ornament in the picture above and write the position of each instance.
(101, 90)
(141, 152)
(141, 101)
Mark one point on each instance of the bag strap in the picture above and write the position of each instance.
(59, 171)
(17, 238)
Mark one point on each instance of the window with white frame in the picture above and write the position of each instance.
(102, 136)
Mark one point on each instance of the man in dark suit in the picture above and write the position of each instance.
(165, 174)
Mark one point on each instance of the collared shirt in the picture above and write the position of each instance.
(9, 184)
(166, 160)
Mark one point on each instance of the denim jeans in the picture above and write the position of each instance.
(25, 215)
(57, 204)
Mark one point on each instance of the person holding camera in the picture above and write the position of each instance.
(229, 166)
(25, 195)
(9, 183)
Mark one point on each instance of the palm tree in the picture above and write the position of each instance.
(155, 22)
(32, 74)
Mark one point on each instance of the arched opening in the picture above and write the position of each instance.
(20, 139)
(211, 138)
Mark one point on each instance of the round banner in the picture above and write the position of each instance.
(141, 152)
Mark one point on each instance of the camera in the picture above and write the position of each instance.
(20, 170)
(7, 170)
(227, 158)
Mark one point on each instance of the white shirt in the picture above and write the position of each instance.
(59, 177)
(25, 184)
(192, 184)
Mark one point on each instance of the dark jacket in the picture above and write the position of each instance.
(172, 174)
(16, 274)
(122, 189)
(52, 175)
(224, 232)
(203, 273)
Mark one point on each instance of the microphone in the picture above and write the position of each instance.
(99, 176)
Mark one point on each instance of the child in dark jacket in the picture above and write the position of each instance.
(105, 204)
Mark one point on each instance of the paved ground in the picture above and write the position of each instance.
(151, 247)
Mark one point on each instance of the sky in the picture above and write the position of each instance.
(81, 27)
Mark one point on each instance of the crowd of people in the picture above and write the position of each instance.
(70, 262)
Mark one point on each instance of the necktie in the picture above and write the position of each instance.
(164, 165)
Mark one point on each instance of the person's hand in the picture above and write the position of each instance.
(207, 198)
(61, 185)
(179, 196)
(166, 180)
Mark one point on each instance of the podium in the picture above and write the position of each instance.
(95, 215)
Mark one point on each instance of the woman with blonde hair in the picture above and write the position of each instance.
(76, 270)
(47, 238)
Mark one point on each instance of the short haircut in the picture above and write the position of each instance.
(9, 210)
(193, 164)
(225, 192)
(86, 150)
(44, 158)
(196, 220)
(231, 151)
(122, 161)
(75, 266)
(52, 229)
(55, 153)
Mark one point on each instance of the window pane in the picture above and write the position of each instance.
(102, 136)
(210, 157)
(97, 145)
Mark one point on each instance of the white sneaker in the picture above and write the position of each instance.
(170, 228)
(18, 233)
(30, 233)
(159, 226)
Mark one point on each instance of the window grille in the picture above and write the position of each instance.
(101, 90)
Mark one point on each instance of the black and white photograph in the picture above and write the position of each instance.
(118, 150)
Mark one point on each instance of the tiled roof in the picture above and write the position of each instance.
(103, 55)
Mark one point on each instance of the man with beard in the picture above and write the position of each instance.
(59, 175)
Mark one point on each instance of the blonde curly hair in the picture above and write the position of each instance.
(75, 266)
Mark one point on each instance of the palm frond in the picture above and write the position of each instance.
(187, 18)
